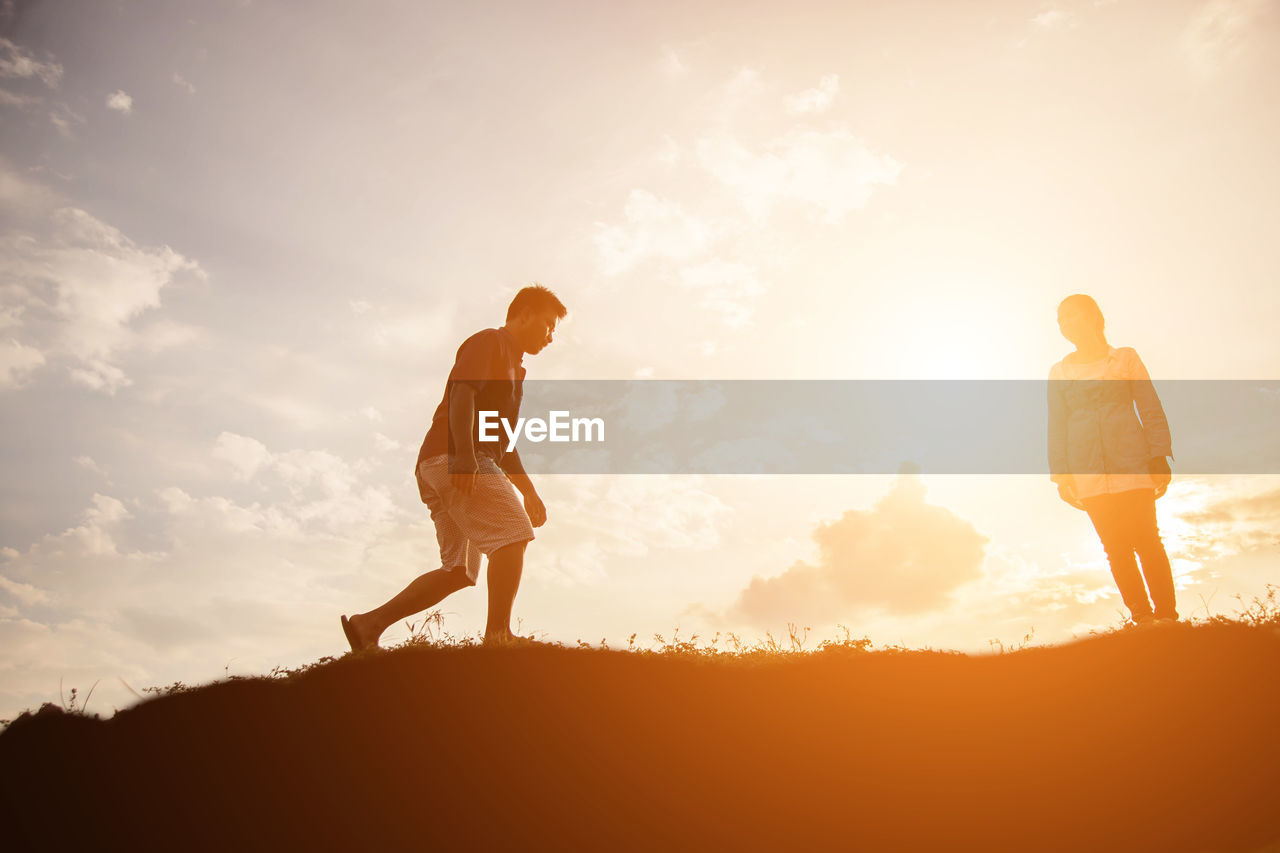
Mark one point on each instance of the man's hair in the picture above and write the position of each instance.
(535, 297)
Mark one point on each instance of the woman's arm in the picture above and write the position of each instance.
(1059, 471)
(1154, 423)
(1057, 443)
(1155, 426)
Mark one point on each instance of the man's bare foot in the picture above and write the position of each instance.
(358, 634)
(510, 639)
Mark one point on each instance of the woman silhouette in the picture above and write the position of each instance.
(1108, 462)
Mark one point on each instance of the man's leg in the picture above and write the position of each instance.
(505, 567)
(424, 591)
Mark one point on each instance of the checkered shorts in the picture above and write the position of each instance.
(470, 525)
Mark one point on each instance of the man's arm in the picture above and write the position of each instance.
(462, 411)
(514, 469)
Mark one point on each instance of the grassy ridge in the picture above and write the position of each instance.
(1157, 739)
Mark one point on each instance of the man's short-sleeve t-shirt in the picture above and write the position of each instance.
(491, 362)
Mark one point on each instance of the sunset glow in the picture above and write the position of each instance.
(242, 243)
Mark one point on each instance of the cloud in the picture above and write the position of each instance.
(319, 487)
(713, 237)
(411, 333)
(183, 83)
(815, 100)
(904, 556)
(744, 86)
(1052, 19)
(120, 102)
(175, 583)
(12, 99)
(598, 519)
(245, 455)
(162, 335)
(23, 593)
(74, 286)
(64, 118)
(17, 363)
(16, 62)
(1220, 32)
(1224, 527)
(728, 288)
(88, 463)
(671, 66)
(654, 228)
(669, 152)
(829, 172)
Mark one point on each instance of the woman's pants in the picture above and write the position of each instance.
(1126, 523)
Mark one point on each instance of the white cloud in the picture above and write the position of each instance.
(669, 152)
(742, 87)
(64, 118)
(23, 593)
(260, 584)
(245, 455)
(183, 83)
(12, 99)
(17, 363)
(654, 228)
(16, 62)
(830, 172)
(1052, 19)
(301, 410)
(11, 315)
(322, 487)
(904, 555)
(97, 374)
(120, 101)
(599, 518)
(166, 334)
(671, 66)
(410, 333)
(1221, 32)
(75, 285)
(815, 100)
(1215, 524)
(823, 175)
(89, 464)
(728, 288)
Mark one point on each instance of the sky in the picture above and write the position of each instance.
(241, 242)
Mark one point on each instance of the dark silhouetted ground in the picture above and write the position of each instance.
(1163, 739)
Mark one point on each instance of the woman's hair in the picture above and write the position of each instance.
(1087, 306)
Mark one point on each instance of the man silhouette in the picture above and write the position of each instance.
(467, 484)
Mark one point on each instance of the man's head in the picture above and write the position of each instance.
(532, 317)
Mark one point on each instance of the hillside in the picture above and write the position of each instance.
(1158, 739)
